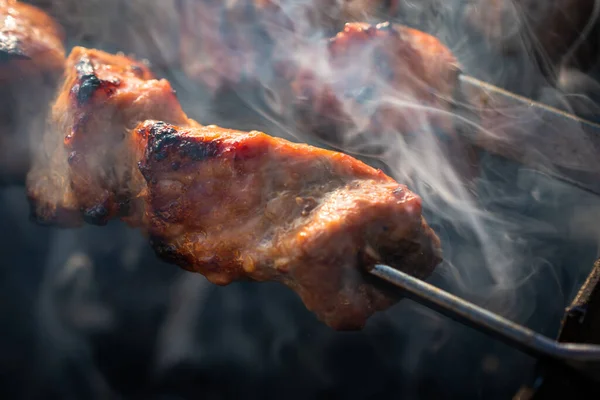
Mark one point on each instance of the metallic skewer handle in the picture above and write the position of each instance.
(485, 321)
(547, 139)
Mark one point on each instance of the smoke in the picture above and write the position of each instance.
(515, 241)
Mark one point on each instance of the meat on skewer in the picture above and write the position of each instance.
(229, 204)
(84, 169)
(404, 79)
(237, 205)
(31, 61)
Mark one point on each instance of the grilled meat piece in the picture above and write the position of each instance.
(84, 169)
(377, 79)
(31, 61)
(243, 205)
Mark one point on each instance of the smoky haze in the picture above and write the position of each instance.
(94, 314)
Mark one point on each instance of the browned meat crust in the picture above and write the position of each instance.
(229, 204)
(84, 170)
(378, 78)
(243, 205)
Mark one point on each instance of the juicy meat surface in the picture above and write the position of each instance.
(377, 78)
(31, 61)
(84, 170)
(243, 205)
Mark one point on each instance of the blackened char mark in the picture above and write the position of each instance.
(89, 82)
(164, 139)
(97, 215)
(168, 253)
(11, 49)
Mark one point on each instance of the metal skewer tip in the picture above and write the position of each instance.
(485, 321)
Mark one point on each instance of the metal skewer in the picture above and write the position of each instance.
(469, 314)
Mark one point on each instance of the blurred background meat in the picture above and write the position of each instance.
(372, 77)
(31, 61)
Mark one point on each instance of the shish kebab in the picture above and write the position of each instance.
(229, 204)
(87, 86)
(176, 203)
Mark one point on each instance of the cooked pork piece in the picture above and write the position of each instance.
(376, 79)
(31, 61)
(84, 169)
(243, 205)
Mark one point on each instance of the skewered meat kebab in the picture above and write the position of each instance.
(31, 61)
(229, 204)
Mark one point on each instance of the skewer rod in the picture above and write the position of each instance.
(485, 321)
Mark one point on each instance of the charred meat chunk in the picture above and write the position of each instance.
(84, 168)
(244, 205)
